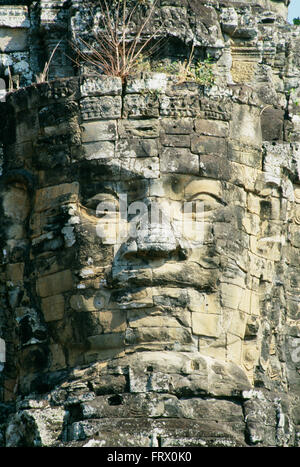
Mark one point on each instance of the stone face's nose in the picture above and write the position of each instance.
(153, 236)
(157, 240)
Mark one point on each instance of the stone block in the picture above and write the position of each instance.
(214, 110)
(58, 359)
(107, 341)
(234, 348)
(245, 125)
(229, 20)
(109, 384)
(213, 409)
(99, 150)
(204, 303)
(180, 106)
(206, 324)
(113, 321)
(208, 145)
(68, 130)
(138, 128)
(272, 124)
(143, 167)
(101, 86)
(169, 190)
(15, 272)
(245, 155)
(231, 295)
(297, 194)
(176, 141)
(27, 126)
(179, 160)
(136, 298)
(255, 304)
(243, 71)
(139, 318)
(102, 107)
(53, 308)
(13, 16)
(236, 321)
(99, 131)
(162, 338)
(211, 128)
(268, 247)
(136, 106)
(136, 148)
(155, 82)
(253, 204)
(81, 303)
(245, 176)
(251, 224)
(245, 303)
(38, 422)
(215, 167)
(214, 348)
(177, 126)
(295, 235)
(52, 196)
(54, 284)
(13, 40)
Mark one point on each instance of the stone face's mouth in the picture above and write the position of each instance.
(174, 275)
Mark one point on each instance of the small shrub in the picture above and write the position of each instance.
(112, 52)
(201, 72)
(204, 72)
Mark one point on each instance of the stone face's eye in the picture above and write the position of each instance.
(105, 208)
(102, 203)
(176, 185)
(205, 202)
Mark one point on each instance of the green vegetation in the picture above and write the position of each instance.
(111, 52)
(201, 71)
(114, 53)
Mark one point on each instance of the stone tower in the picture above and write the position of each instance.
(150, 235)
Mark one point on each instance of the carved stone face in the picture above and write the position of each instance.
(161, 277)
(169, 235)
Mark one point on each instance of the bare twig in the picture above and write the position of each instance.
(10, 80)
(113, 54)
(43, 76)
(185, 68)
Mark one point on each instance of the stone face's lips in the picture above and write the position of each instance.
(188, 274)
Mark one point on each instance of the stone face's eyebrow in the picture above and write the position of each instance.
(93, 202)
(210, 187)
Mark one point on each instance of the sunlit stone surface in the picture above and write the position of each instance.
(150, 242)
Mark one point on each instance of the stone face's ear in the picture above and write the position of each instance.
(16, 189)
(15, 193)
(16, 203)
(21, 176)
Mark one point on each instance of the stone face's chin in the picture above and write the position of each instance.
(183, 373)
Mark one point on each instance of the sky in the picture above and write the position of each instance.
(294, 10)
